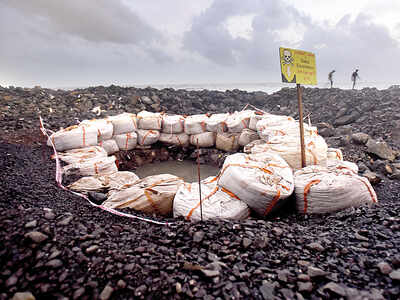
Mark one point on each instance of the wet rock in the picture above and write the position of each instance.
(210, 273)
(267, 290)
(304, 286)
(65, 221)
(246, 242)
(106, 293)
(78, 293)
(23, 296)
(384, 267)
(381, 149)
(92, 249)
(335, 288)
(54, 263)
(360, 138)
(316, 246)
(96, 197)
(372, 177)
(198, 236)
(395, 275)
(36, 236)
(316, 272)
(31, 224)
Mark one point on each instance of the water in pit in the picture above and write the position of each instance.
(186, 169)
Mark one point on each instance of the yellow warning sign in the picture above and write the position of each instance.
(298, 66)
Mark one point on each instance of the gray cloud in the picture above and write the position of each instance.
(97, 21)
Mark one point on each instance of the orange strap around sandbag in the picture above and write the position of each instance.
(151, 201)
(230, 193)
(198, 204)
(133, 118)
(203, 126)
(83, 137)
(145, 136)
(307, 190)
(369, 189)
(128, 136)
(273, 203)
(96, 169)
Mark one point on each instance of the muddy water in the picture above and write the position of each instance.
(186, 169)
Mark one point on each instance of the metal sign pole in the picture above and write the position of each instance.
(303, 153)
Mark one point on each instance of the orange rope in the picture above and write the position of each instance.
(307, 190)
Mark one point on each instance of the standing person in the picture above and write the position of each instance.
(330, 77)
(354, 77)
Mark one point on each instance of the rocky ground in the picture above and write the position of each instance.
(54, 245)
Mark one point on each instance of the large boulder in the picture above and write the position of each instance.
(381, 149)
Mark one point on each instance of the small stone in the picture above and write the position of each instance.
(395, 275)
(360, 237)
(246, 242)
(334, 287)
(121, 284)
(198, 236)
(360, 138)
(303, 277)
(316, 272)
(106, 293)
(178, 287)
(381, 149)
(316, 246)
(54, 263)
(372, 177)
(23, 296)
(78, 293)
(277, 231)
(12, 280)
(65, 221)
(305, 286)
(31, 224)
(36, 236)
(140, 290)
(49, 215)
(210, 273)
(92, 249)
(267, 291)
(96, 197)
(303, 263)
(384, 267)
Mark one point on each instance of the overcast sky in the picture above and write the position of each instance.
(80, 43)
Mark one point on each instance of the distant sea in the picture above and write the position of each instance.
(267, 87)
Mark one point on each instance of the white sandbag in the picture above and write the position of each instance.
(149, 120)
(126, 141)
(255, 117)
(153, 194)
(196, 124)
(239, 120)
(287, 128)
(173, 124)
(94, 166)
(319, 190)
(288, 147)
(105, 128)
(342, 165)
(179, 139)
(217, 123)
(82, 154)
(124, 123)
(205, 139)
(147, 137)
(217, 202)
(228, 142)
(74, 137)
(110, 146)
(334, 154)
(272, 120)
(261, 180)
(247, 136)
(248, 148)
(102, 183)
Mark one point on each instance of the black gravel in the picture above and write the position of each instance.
(56, 246)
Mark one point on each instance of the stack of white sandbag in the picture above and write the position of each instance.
(260, 180)
(149, 120)
(82, 154)
(124, 123)
(105, 128)
(94, 166)
(325, 190)
(238, 121)
(105, 182)
(217, 202)
(227, 141)
(153, 194)
(74, 137)
(173, 131)
(217, 123)
(289, 148)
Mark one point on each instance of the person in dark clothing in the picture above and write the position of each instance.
(354, 77)
(330, 77)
